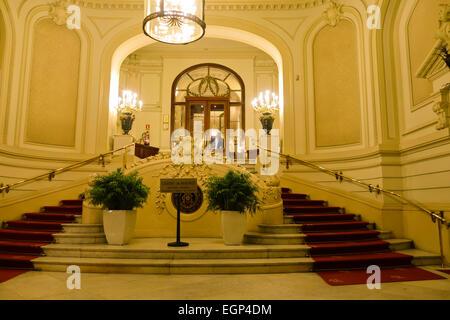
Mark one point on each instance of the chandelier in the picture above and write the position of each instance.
(267, 105)
(128, 102)
(175, 21)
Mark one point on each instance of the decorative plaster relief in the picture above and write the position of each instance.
(434, 64)
(58, 12)
(333, 13)
(444, 23)
(441, 108)
(216, 5)
(269, 186)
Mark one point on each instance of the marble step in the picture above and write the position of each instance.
(80, 238)
(400, 244)
(291, 228)
(290, 238)
(136, 251)
(199, 266)
(82, 228)
(422, 258)
(139, 252)
(174, 266)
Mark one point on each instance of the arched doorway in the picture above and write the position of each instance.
(211, 94)
(120, 52)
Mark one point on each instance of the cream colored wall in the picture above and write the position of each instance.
(5, 56)
(399, 146)
(53, 91)
(2, 41)
(336, 86)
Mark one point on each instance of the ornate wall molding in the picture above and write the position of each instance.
(269, 186)
(210, 5)
(58, 12)
(333, 13)
(443, 32)
(442, 109)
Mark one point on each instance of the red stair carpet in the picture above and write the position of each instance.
(22, 240)
(340, 243)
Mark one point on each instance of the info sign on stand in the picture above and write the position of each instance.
(178, 187)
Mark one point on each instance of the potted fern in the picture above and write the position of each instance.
(119, 195)
(233, 195)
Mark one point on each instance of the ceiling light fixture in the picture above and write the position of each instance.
(175, 21)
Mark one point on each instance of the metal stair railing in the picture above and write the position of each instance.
(436, 217)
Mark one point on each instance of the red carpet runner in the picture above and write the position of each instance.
(339, 242)
(22, 240)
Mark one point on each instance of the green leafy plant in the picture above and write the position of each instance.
(118, 191)
(232, 192)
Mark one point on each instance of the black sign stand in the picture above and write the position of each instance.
(178, 243)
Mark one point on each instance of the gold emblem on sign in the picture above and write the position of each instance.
(189, 202)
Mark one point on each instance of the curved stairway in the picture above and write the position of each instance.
(314, 237)
(338, 240)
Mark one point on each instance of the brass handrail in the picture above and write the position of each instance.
(53, 173)
(435, 217)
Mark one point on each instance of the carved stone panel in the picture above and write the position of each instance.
(441, 108)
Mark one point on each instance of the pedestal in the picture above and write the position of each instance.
(122, 141)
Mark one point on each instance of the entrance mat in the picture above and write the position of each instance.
(350, 277)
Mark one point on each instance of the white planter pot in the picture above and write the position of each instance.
(91, 214)
(119, 225)
(233, 227)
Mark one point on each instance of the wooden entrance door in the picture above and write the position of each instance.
(208, 113)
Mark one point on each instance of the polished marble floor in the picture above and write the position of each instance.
(293, 286)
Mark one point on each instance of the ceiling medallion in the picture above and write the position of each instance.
(175, 21)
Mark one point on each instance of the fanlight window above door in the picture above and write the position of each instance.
(208, 80)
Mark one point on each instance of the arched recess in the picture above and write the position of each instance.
(360, 93)
(53, 95)
(133, 43)
(62, 55)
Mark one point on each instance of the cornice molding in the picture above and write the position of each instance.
(211, 5)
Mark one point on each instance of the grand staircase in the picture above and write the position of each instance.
(337, 240)
(314, 237)
(21, 241)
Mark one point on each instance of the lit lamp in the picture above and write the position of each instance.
(127, 107)
(174, 21)
(266, 105)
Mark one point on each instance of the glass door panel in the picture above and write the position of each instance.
(179, 117)
(197, 116)
(217, 123)
(235, 117)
